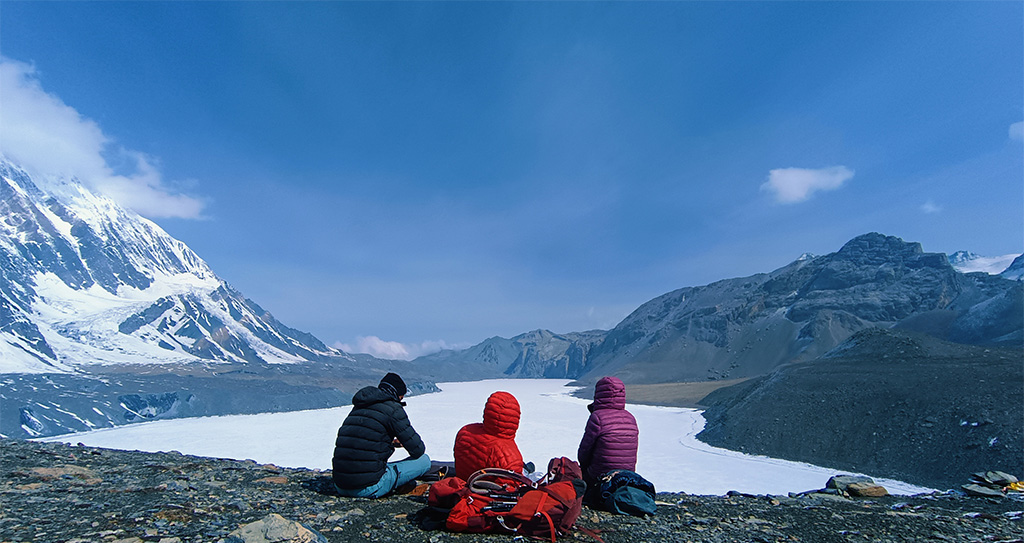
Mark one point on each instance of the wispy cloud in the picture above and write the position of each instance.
(47, 137)
(794, 185)
(1017, 131)
(931, 207)
(394, 350)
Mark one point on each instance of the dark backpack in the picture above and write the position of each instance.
(627, 493)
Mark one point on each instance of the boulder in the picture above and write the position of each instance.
(274, 528)
(842, 482)
(866, 490)
(994, 478)
(979, 491)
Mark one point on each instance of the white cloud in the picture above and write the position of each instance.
(1017, 131)
(931, 207)
(47, 137)
(793, 185)
(394, 350)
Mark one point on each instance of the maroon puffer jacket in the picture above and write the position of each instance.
(490, 444)
(611, 437)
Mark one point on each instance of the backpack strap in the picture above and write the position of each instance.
(551, 525)
(541, 510)
(488, 481)
(594, 533)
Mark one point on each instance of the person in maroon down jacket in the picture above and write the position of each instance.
(611, 438)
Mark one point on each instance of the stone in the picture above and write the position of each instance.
(841, 482)
(979, 491)
(274, 528)
(867, 490)
(996, 478)
(355, 512)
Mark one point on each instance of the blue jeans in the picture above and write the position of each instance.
(395, 475)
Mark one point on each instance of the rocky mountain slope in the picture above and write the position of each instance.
(1015, 271)
(84, 281)
(894, 403)
(57, 493)
(748, 326)
(105, 319)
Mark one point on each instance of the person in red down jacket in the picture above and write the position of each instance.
(611, 437)
(491, 443)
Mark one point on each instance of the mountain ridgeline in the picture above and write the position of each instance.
(749, 326)
(105, 319)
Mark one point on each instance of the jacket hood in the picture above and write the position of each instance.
(371, 395)
(501, 415)
(609, 393)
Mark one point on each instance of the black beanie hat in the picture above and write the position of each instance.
(393, 384)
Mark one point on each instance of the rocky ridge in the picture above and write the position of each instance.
(68, 494)
(749, 326)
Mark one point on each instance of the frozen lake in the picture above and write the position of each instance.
(552, 425)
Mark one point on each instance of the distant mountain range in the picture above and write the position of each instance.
(750, 325)
(105, 319)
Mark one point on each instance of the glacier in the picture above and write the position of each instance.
(551, 425)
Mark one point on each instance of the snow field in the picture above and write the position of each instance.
(552, 425)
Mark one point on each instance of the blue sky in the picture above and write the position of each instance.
(412, 175)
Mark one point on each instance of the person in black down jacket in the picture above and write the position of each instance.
(368, 437)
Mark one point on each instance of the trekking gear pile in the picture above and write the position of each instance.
(503, 501)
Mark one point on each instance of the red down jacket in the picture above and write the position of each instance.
(611, 438)
(490, 444)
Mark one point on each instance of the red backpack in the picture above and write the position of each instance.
(549, 510)
(497, 500)
(562, 471)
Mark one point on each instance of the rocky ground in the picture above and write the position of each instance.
(52, 492)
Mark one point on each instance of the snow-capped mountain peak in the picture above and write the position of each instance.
(967, 262)
(85, 281)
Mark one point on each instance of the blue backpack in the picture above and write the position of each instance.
(627, 493)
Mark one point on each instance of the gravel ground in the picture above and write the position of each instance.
(60, 493)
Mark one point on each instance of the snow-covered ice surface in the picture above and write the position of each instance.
(552, 425)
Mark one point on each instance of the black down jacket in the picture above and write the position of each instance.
(363, 446)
